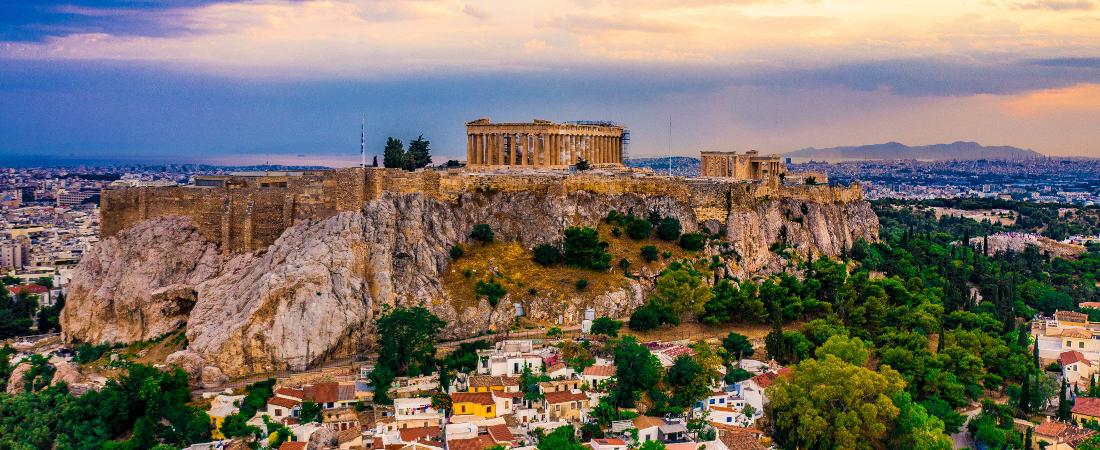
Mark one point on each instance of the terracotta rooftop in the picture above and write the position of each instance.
(1087, 406)
(481, 442)
(417, 433)
(30, 288)
(564, 396)
(610, 441)
(602, 370)
(1071, 316)
(481, 398)
(292, 446)
(1076, 333)
(501, 433)
(329, 392)
(1091, 305)
(766, 379)
(291, 392)
(283, 402)
(1071, 357)
(1051, 428)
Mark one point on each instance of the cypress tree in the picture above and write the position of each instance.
(1064, 406)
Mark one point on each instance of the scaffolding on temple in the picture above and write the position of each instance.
(609, 123)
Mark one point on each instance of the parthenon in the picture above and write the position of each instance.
(542, 143)
(749, 166)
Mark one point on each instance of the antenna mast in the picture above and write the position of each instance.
(363, 144)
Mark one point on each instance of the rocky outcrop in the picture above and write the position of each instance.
(15, 380)
(139, 285)
(314, 293)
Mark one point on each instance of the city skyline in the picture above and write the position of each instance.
(267, 81)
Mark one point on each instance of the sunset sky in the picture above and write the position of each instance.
(290, 81)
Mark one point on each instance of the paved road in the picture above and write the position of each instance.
(962, 439)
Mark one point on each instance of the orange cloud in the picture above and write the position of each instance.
(1078, 99)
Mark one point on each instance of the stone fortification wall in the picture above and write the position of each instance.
(251, 214)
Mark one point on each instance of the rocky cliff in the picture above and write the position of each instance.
(313, 294)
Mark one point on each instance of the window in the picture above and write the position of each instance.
(1081, 344)
(712, 401)
(1069, 343)
(278, 412)
(729, 419)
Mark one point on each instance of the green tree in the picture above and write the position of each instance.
(649, 253)
(562, 438)
(393, 156)
(406, 340)
(482, 233)
(582, 165)
(681, 290)
(606, 326)
(491, 290)
(692, 241)
(737, 346)
(310, 412)
(850, 350)
(669, 229)
(546, 255)
(419, 154)
(636, 369)
(584, 249)
(829, 403)
(638, 229)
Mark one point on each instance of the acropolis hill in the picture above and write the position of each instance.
(272, 271)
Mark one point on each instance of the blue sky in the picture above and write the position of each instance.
(289, 81)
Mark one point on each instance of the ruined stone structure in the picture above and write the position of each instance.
(748, 166)
(249, 211)
(542, 143)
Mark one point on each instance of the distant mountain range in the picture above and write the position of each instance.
(960, 150)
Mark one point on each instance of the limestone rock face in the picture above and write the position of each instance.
(69, 373)
(138, 285)
(313, 295)
(15, 381)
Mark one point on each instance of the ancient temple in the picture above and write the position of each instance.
(542, 143)
(747, 166)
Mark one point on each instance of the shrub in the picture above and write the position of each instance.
(638, 229)
(482, 233)
(554, 332)
(666, 255)
(582, 284)
(668, 229)
(468, 273)
(649, 253)
(584, 249)
(624, 264)
(86, 353)
(547, 255)
(736, 375)
(606, 326)
(491, 290)
(692, 241)
(644, 318)
(456, 252)
(617, 232)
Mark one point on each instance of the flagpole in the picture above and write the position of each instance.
(363, 145)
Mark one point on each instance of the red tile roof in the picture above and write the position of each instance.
(283, 402)
(30, 288)
(329, 392)
(603, 370)
(481, 398)
(564, 396)
(291, 392)
(481, 442)
(1087, 406)
(1051, 428)
(501, 433)
(1071, 357)
(293, 446)
(611, 441)
(414, 434)
(1071, 316)
(766, 379)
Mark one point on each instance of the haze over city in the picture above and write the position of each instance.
(289, 82)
